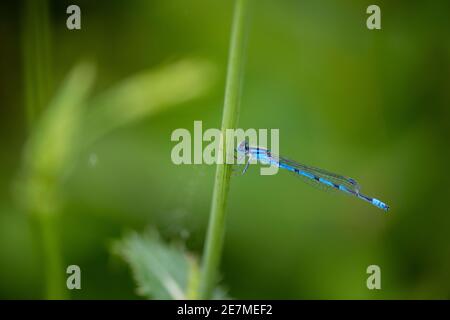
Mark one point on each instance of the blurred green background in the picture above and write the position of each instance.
(373, 105)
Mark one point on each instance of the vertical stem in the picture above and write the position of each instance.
(37, 73)
(36, 57)
(216, 226)
(54, 280)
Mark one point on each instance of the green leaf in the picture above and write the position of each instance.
(145, 94)
(51, 145)
(161, 271)
(47, 155)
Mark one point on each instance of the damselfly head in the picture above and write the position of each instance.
(243, 147)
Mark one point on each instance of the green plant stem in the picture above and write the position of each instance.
(36, 57)
(216, 227)
(37, 71)
(54, 279)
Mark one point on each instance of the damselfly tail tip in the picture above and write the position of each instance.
(380, 204)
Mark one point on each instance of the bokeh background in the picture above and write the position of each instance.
(373, 105)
